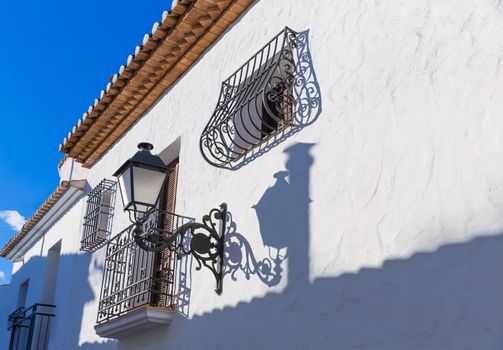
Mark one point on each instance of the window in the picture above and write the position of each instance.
(51, 274)
(276, 109)
(99, 215)
(23, 292)
(134, 278)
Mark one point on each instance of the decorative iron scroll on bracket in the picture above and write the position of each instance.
(206, 243)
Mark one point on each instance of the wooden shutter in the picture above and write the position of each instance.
(168, 199)
(162, 266)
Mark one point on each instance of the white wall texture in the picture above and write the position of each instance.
(400, 245)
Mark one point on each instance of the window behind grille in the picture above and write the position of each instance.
(276, 112)
(273, 90)
(269, 111)
(97, 225)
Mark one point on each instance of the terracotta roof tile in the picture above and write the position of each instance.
(174, 44)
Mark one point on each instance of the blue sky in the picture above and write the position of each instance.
(55, 57)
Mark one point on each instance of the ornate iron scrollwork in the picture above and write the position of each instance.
(273, 91)
(205, 240)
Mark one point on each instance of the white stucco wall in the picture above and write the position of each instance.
(402, 248)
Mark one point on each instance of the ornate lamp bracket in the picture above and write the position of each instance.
(203, 240)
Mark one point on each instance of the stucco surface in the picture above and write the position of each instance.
(389, 218)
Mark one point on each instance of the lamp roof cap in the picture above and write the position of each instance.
(144, 159)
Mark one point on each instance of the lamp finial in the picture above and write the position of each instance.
(145, 146)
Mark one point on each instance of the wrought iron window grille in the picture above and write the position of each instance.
(132, 276)
(275, 90)
(98, 218)
(30, 327)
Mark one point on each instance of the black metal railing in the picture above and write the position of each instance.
(30, 327)
(99, 215)
(134, 277)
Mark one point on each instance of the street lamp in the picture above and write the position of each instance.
(141, 180)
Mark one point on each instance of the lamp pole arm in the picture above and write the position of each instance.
(206, 241)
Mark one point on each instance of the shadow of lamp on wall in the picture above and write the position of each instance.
(240, 257)
(283, 218)
(271, 212)
(283, 213)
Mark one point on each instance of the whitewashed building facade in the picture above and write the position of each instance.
(358, 147)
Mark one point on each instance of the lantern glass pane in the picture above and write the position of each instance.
(125, 186)
(147, 187)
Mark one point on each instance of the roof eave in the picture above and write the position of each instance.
(175, 43)
(67, 193)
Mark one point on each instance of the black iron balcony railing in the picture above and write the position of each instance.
(134, 277)
(30, 327)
